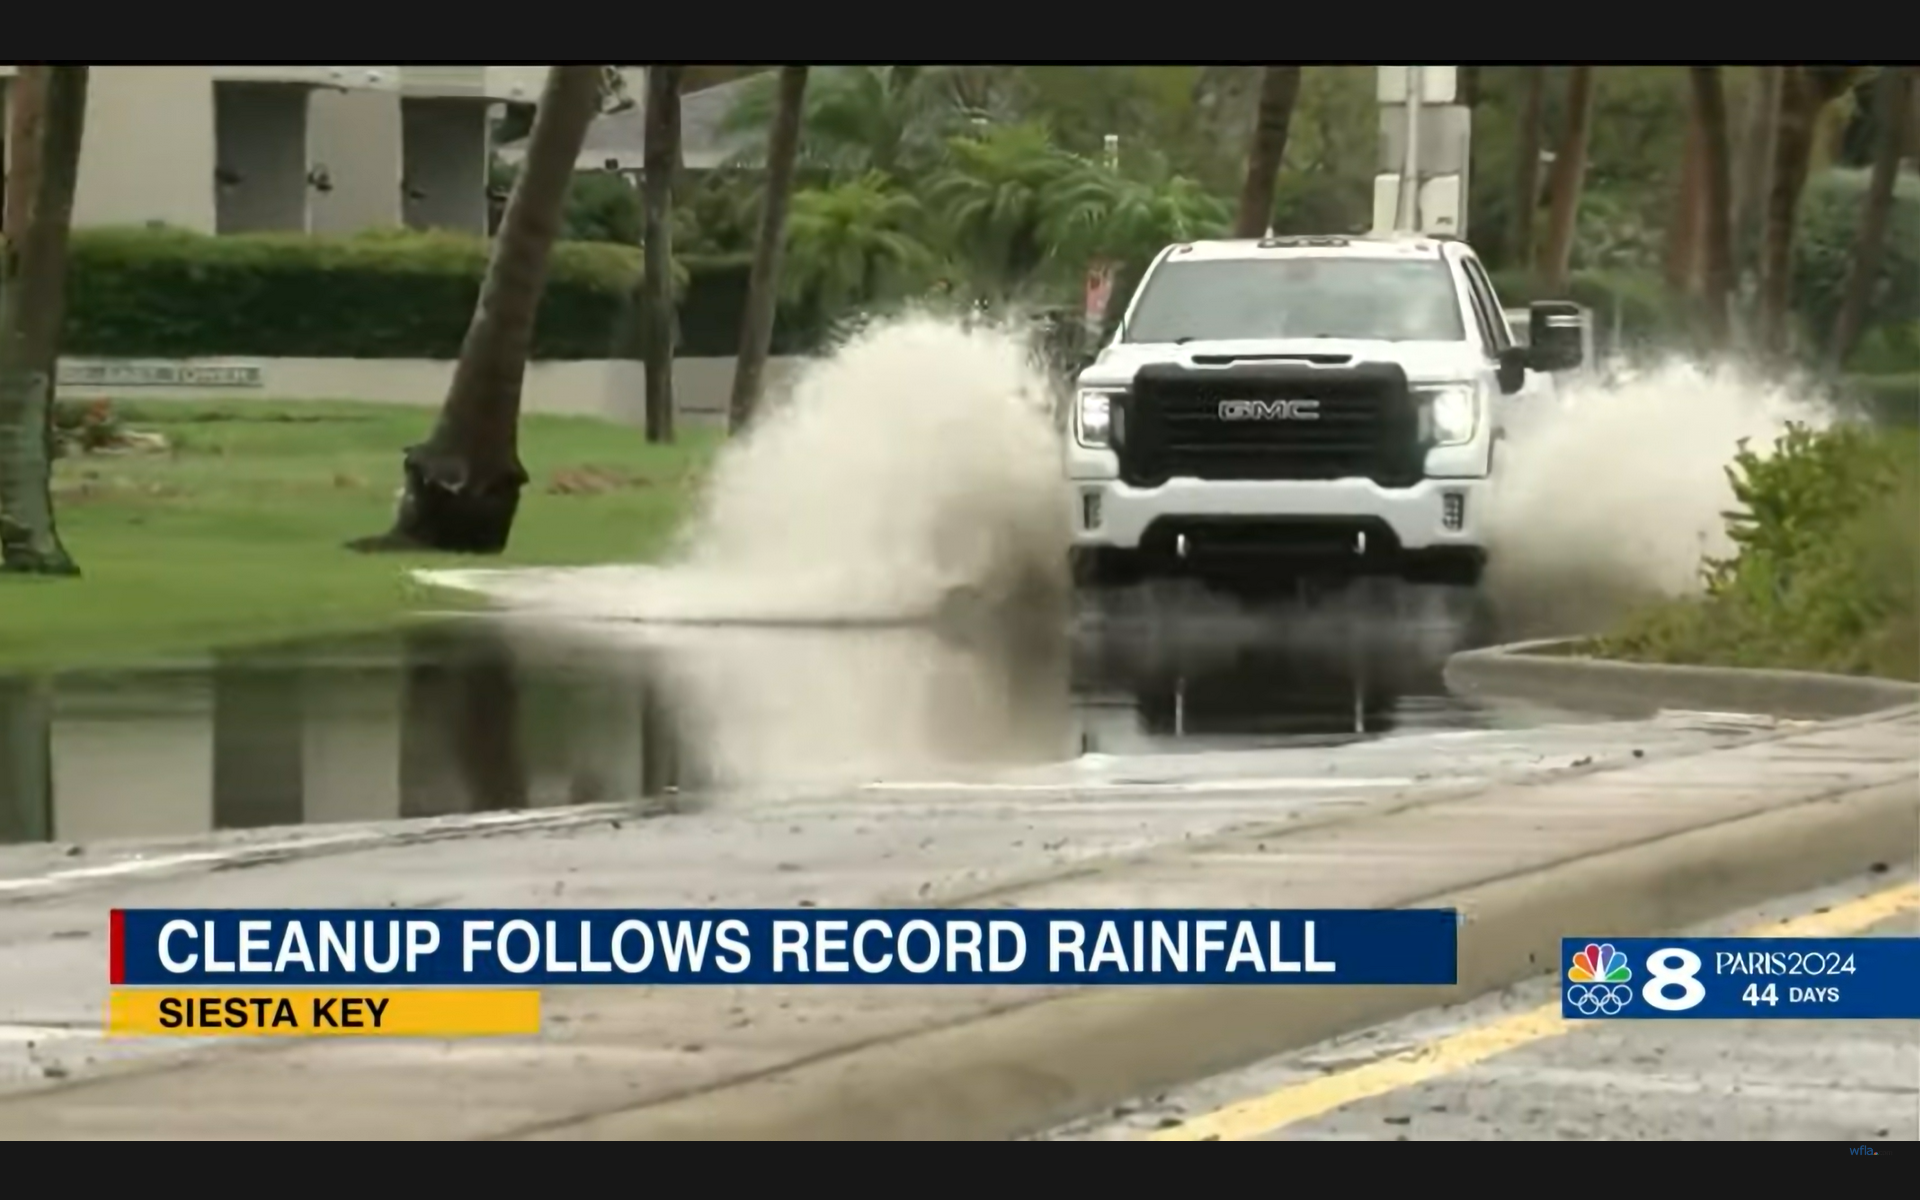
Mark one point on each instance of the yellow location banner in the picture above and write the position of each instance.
(426, 1012)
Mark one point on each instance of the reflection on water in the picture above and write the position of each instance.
(482, 715)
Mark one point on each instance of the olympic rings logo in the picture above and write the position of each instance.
(1599, 999)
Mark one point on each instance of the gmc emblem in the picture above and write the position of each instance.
(1269, 410)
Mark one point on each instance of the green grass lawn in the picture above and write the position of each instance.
(236, 535)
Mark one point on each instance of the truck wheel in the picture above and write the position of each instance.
(1101, 568)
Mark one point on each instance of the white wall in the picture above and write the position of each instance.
(148, 151)
(614, 390)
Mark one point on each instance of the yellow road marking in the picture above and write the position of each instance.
(1442, 1056)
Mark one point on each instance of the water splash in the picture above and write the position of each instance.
(915, 469)
(1612, 496)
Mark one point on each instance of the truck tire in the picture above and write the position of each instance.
(1102, 568)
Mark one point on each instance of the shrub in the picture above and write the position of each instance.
(164, 293)
(1826, 575)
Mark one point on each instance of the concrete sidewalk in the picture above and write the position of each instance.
(1624, 843)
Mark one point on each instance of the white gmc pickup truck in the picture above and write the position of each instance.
(1302, 407)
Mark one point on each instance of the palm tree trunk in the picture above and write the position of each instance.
(662, 154)
(1682, 267)
(34, 309)
(1279, 88)
(463, 484)
(1804, 92)
(1569, 174)
(756, 330)
(26, 106)
(1892, 102)
(1716, 205)
(1753, 173)
(1526, 174)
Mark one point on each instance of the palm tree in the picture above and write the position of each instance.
(26, 109)
(1716, 202)
(1094, 213)
(1526, 176)
(846, 243)
(860, 119)
(756, 328)
(31, 313)
(463, 484)
(660, 164)
(1804, 92)
(1892, 103)
(993, 198)
(1569, 173)
(1279, 88)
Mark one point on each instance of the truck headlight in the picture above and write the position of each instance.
(1094, 419)
(1452, 414)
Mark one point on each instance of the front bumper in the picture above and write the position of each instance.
(1434, 515)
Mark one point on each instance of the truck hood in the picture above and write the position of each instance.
(1424, 362)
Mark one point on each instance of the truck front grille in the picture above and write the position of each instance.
(1364, 425)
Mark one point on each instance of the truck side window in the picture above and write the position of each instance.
(1483, 291)
(1489, 335)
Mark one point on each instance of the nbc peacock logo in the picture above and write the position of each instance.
(1600, 964)
(1598, 979)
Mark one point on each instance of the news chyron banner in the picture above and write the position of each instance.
(1839, 978)
(462, 973)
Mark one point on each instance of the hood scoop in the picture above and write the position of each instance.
(1318, 360)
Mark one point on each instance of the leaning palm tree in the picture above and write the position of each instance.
(1565, 183)
(756, 329)
(1279, 88)
(1526, 167)
(31, 312)
(1893, 105)
(463, 483)
(1804, 93)
(661, 166)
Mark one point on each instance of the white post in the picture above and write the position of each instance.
(1407, 212)
(1112, 145)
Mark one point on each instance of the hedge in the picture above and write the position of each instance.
(164, 293)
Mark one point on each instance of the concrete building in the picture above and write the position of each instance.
(308, 149)
(617, 141)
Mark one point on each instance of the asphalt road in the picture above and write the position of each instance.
(1494, 1070)
(1366, 824)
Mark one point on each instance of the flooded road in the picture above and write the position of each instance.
(493, 714)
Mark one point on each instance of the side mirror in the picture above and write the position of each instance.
(1513, 369)
(1554, 335)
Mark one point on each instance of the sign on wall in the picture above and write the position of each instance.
(160, 374)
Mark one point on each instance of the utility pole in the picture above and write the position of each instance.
(1425, 133)
(1407, 212)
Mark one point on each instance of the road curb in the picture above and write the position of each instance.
(1029, 1068)
(1547, 672)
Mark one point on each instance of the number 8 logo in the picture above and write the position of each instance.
(1673, 967)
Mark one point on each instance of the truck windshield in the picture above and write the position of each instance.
(1394, 300)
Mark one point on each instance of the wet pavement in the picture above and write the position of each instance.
(489, 715)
